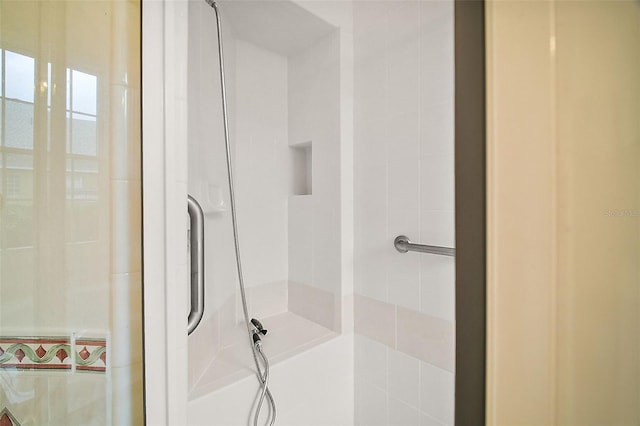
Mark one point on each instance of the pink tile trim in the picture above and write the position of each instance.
(425, 337)
(375, 319)
(422, 336)
(314, 304)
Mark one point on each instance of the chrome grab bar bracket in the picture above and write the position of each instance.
(403, 245)
(196, 244)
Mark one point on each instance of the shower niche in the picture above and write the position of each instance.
(284, 101)
(301, 168)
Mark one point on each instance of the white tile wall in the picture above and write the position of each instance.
(393, 388)
(301, 239)
(206, 151)
(371, 236)
(437, 286)
(403, 271)
(268, 299)
(262, 159)
(371, 405)
(314, 116)
(404, 141)
(370, 361)
(402, 414)
(437, 387)
(404, 378)
(404, 184)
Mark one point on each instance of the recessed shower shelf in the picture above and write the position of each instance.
(301, 168)
(289, 334)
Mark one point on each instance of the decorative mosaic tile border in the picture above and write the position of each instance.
(91, 355)
(53, 353)
(7, 419)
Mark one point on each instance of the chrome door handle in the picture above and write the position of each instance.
(196, 243)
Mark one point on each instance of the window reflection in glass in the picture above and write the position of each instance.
(17, 123)
(19, 76)
(84, 92)
(16, 137)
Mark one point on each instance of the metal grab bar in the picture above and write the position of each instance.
(196, 244)
(403, 245)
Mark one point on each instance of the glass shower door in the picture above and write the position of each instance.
(70, 213)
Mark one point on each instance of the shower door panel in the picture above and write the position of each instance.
(70, 207)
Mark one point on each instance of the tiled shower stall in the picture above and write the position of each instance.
(341, 119)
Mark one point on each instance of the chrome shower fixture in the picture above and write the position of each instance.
(258, 326)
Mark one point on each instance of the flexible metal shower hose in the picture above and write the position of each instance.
(263, 378)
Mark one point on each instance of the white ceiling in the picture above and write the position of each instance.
(277, 25)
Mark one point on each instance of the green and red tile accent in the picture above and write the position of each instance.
(7, 419)
(53, 353)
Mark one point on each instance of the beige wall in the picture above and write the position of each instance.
(520, 214)
(563, 242)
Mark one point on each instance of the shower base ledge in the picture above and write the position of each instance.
(288, 335)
